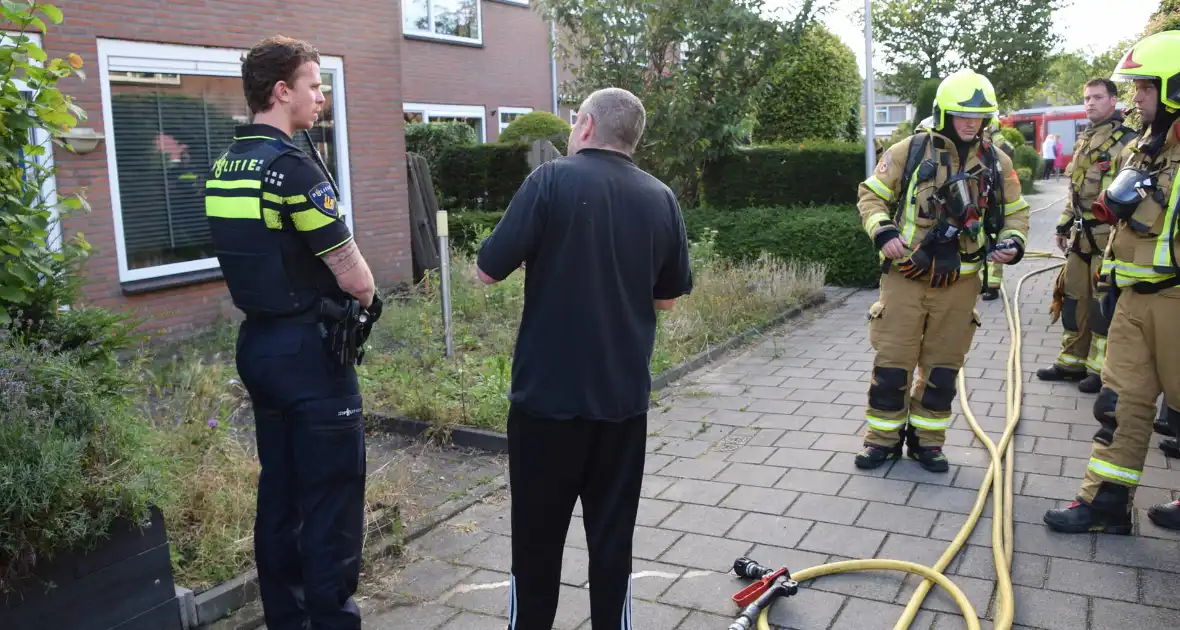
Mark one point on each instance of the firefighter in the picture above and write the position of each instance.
(1084, 238)
(1140, 285)
(995, 271)
(940, 204)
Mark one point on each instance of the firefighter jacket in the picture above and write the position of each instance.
(1090, 171)
(1143, 250)
(892, 204)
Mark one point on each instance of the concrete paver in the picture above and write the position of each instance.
(753, 456)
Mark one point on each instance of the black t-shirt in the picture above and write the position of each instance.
(601, 240)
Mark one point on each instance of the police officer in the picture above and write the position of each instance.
(293, 269)
(1084, 238)
(1140, 284)
(937, 206)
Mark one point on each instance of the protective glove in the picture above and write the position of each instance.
(946, 266)
(917, 265)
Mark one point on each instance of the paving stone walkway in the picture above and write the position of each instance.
(754, 456)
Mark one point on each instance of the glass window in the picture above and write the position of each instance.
(166, 129)
(445, 19)
(509, 114)
(468, 114)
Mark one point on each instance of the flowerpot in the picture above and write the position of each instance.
(123, 583)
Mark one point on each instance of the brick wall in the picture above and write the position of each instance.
(361, 35)
(510, 69)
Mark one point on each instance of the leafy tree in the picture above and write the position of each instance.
(1165, 18)
(926, 39)
(31, 272)
(1069, 71)
(695, 64)
(924, 105)
(811, 91)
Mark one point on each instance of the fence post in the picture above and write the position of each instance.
(444, 251)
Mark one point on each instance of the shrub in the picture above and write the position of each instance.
(924, 105)
(484, 177)
(1013, 135)
(810, 92)
(26, 260)
(786, 175)
(1027, 157)
(538, 126)
(430, 139)
(72, 456)
(829, 235)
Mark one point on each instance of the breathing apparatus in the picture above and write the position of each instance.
(1119, 200)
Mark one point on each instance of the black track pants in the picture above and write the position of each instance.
(551, 463)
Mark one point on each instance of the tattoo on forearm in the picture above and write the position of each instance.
(344, 259)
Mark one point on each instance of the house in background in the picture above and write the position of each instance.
(888, 113)
(163, 89)
(482, 62)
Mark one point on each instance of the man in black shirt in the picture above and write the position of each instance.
(604, 247)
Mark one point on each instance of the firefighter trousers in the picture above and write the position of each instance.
(995, 275)
(921, 336)
(1083, 344)
(1143, 359)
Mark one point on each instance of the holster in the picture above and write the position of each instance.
(341, 323)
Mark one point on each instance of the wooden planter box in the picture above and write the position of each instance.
(124, 583)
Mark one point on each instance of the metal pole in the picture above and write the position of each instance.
(870, 100)
(553, 62)
(444, 251)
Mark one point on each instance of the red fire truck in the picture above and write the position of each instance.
(1065, 121)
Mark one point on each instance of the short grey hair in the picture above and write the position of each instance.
(619, 117)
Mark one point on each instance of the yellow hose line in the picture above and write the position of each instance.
(1002, 484)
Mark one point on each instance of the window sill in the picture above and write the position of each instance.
(471, 43)
(515, 3)
(151, 285)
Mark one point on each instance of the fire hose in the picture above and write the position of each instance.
(759, 598)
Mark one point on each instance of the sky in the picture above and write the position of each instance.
(1085, 23)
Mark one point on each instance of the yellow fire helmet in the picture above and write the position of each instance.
(964, 93)
(1155, 57)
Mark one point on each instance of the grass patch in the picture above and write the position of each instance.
(407, 371)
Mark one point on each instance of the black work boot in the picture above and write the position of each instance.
(1110, 513)
(1092, 384)
(1166, 515)
(1170, 447)
(874, 455)
(929, 457)
(1058, 373)
(990, 295)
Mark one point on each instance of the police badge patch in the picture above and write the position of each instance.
(322, 197)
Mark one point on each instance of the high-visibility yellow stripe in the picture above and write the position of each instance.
(309, 220)
(873, 223)
(1115, 473)
(1163, 244)
(930, 424)
(273, 198)
(233, 207)
(272, 218)
(233, 184)
(1097, 354)
(879, 187)
(881, 424)
(911, 219)
(1015, 206)
(1127, 274)
(1069, 360)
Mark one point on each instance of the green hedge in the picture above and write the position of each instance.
(785, 175)
(538, 126)
(831, 235)
(483, 177)
(430, 139)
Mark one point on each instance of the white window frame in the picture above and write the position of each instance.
(465, 111)
(41, 138)
(442, 36)
(510, 110)
(121, 55)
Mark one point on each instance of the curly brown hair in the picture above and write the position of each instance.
(272, 60)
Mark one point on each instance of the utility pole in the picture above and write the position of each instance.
(870, 100)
